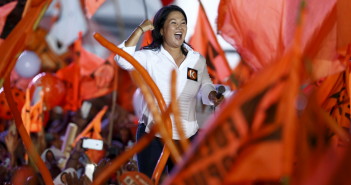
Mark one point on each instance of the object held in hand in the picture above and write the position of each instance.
(93, 144)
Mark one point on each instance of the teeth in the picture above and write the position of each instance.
(178, 35)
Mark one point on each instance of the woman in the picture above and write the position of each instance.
(168, 52)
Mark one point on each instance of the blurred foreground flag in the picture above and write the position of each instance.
(262, 31)
(252, 137)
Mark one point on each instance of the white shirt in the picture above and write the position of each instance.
(159, 64)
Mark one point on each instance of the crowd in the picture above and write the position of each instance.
(76, 168)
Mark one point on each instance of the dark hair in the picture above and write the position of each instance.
(159, 21)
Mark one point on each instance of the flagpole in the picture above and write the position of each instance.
(145, 10)
(113, 108)
(120, 23)
(215, 37)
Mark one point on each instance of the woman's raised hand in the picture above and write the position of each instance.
(146, 25)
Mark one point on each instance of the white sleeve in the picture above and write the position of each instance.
(123, 63)
(206, 86)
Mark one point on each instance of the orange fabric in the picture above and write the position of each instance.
(230, 143)
(343, 25)
(25, 114)
(147, 39)
(32, 116)
(4, 11)
(126, 88)
(322, 139)
(96, 75)
(92, 6)
(256, 126)
(19, 98)
(71, 76)
(37, 116)
(264, 35)
(205, 42)
(241, 74)
(259, 156)
(87, 77)
(334, 97)
(95, 124)
(88, 62)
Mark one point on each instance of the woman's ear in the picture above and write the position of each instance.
(161, 32)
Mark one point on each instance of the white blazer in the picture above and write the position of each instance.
(192, 77)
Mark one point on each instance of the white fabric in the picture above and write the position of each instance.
(159, 65)
(66, 29)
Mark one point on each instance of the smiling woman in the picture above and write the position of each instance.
(169, 52)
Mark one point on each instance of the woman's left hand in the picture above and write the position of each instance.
(215, 98)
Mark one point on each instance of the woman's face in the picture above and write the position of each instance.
(174, 30)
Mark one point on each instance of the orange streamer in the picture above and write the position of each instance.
(124, 157)
(166, 131)
(33, 154)
(157, 116)
(16, 41)
(175, 109)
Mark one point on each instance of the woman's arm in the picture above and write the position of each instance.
(133, 39)
(209, 93)
(130, 44)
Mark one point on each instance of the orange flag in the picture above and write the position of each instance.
(147, 39)
(89, 76)
(252, 136)
(205, 42)
(71, 76)
(4, 11)
(333, 96)
(262, 31)
(25, 114)
(33, 116)
(94, 125)
(92, 6)
(93, 131)
(343, 25)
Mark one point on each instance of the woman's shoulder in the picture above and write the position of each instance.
(196, 56)
(191, 51)
(148, 51)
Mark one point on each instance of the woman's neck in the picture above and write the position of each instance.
(174, 51)
(176, 54)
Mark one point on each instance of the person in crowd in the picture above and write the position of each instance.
(167, 52)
